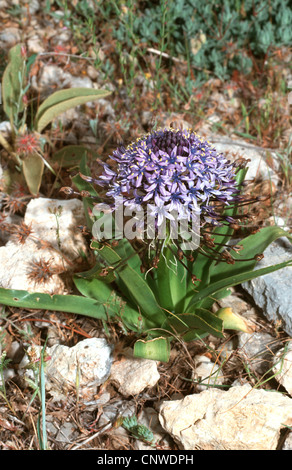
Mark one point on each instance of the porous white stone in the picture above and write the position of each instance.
(283, 367)
(56, 221)
(241, 418)
(55, 239)
(133, 375)
(78, 370)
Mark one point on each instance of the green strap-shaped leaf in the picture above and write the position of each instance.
(171, 281)
(103, 305)
(98, 272)
(200, 319)
(126, 252)
(13, 83)
(253, 245)
(104, 293)
(157, 349)
(66, 303)
(233, 280)
(141, 296)
(62, 100)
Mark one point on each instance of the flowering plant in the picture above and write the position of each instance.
(149, 277)
(169, 278)
(25, 143)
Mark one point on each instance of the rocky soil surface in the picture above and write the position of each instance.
(234, 393)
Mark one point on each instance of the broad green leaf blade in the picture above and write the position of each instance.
(127, 253)
(66, 94)
(65, 303)
(200, 268)
(157, 349)
(141, 296)
(203, 265)
(98, 272)
(194, 334)
(94, 289)
(101, 308)
(13, 83)
(179, 287)
(233, 281)
(200, 319)
(33, 168)
(62, 100)
(166, 279)
(252, 245)
(114, 304)
(209, 301)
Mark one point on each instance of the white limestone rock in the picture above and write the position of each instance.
(55, 239)
(78, 370)
(241, 418)
(283, 367)
(133, 375)
(56, 221)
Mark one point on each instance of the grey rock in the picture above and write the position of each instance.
(7, 375)
(257, 349)
(115, 409)
(54, 77)
(272, 292)
(66, 433)
(9, 37)
(5, 129)
(35, 44)
(33, 6)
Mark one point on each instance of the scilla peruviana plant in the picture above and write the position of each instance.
(152, 278)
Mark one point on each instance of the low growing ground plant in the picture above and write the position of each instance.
(163, 222)
(27, 139)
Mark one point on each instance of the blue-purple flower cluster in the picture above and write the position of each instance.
(172, 170)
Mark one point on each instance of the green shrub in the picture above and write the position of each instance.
(217, 36)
